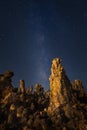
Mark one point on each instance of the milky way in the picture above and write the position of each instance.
(32, 33)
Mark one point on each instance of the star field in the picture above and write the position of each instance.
(33, 32)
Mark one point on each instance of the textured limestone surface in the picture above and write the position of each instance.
(59, 85)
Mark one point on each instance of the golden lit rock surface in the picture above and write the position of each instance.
(63, 107)
(22, 86)
(12, 107)
(5, 100)
(59, 85)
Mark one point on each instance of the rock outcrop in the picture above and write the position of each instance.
(77, 86)
(5, 83)
(22, 87)
(60, 86)
(63, 107)
(65, 98)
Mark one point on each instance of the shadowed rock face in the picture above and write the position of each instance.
(59, 85)
(78, 88)
(63, 107)
(5, 83)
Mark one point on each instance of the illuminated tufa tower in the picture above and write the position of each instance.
(59, 85)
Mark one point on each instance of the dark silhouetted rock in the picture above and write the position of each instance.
(5, 85)
(78, 88)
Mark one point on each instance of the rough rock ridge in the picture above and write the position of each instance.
(63, 107)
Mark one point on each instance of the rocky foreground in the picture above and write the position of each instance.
(63, 107)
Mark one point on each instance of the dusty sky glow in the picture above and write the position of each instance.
(33, 32)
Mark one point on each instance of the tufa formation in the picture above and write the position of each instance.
(60, 86)
(63, 107)
(5, 83)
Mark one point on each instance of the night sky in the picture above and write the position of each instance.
(33, 32)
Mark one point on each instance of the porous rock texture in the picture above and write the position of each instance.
(63, 107)
(5, 84)
(60, 86)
